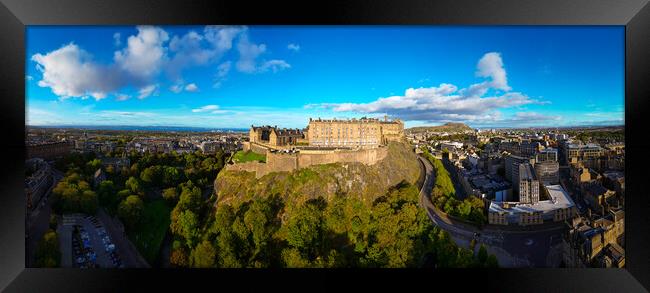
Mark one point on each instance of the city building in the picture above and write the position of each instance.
(274, 136)
(49, 150)
(511, 162)
(116, 163)
(548, 172)
(547, 154)
(451, 145)
(526, 184)
(596, 243)
(209, 147)
(559, 207)
(38, 180)
(579, 152)
(529, 148)
(598, 197)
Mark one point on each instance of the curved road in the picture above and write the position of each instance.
(513, 248)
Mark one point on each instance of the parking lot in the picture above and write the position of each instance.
(86, 244)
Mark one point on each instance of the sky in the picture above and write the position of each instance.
(236, 76)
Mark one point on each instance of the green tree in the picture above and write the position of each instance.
(93, 165)
(170, 195)
(492, 261)
(304, 229)
(53, 222)
(106, 193)
(292, 258)
(187, 226)
(171, 176)
(88, 202)
(482, 255)
(48, 253)
(190, 197)
(152, 176)
(130, 211)
(203, 255)
(133, 184)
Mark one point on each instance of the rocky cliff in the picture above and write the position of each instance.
(346, 179)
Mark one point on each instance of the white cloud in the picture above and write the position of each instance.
(117, 39)
(177, 88)
(207, 108)
(491, 65)
(293, 47)
(70, 72)
(223, 69)
(446, 102)
(122, 97)
(28, 77)
(192, 87)
(222, 36)
(222, 72)
(533, 117)
(194, 48)
(274, 65)
(147, 91)
(145, 54)
(248, 53)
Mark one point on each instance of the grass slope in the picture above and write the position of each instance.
(151, 231)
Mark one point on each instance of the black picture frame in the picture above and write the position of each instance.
(16, 14)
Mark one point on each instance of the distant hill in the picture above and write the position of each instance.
(447, 127)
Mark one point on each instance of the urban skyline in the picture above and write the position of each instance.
(232, 77)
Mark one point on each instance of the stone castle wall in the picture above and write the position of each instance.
(366, 156)
(281, 162)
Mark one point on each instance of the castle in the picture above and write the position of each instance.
(321, 142)
(336, 133)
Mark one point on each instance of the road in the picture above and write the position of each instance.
(513, 248)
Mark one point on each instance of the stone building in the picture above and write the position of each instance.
(511, 164)
(548, 172)
(274, 136)
(596, 243)
(364, 132)
(49, 150)
(38, 181)
(526, 184)
(580, 152)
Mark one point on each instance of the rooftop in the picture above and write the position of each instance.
(559, 200)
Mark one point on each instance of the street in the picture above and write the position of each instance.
(534, 248)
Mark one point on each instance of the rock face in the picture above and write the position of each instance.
(328, 180)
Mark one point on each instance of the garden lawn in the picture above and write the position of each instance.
(248, 156)
(151, 231)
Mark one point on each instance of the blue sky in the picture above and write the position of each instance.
(235, 76)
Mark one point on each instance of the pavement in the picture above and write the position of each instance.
(528, 247)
